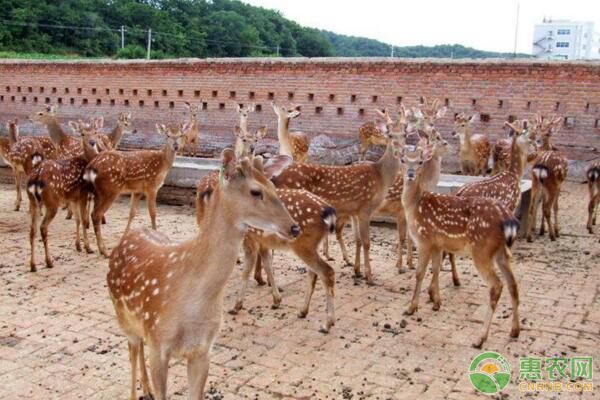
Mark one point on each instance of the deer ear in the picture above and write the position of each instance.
(257, 163)
(381, 113)
(238, 108)
(294, 114)
(441, 112)
(251, 107)
(473, 118)
(161, 128)
(275, 166)
(128, 115)
(187, 105)
(275, 108)
(261, 133)
(74, 126)
(99, 123)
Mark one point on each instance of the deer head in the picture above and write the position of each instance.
(175, 134)
(12, 126)
(245, 111)
(124, 121)
(245, 142)
(413, 159)
(284, 113)
(45, 115)
(462, 125)
(253, 195)
(89, 136)
(194, 110)
(544, 128)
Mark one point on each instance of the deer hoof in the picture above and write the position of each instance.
(529, 239)
(371, 282)
(436, 306)
(32, 268)
(514, 332)
(17, 207)
(89, 250)
(410, 310)
(233, 311)
(147, 397)
(324, 329)
(478, 344)
(456, 282)
(260, 281)
(401, 269)
(49, 264)
(302, 314)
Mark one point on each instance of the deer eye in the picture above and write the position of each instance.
(256, 193)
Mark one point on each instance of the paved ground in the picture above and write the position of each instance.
(59, 338)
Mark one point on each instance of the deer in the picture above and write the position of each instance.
(550, 168)
(481, 226)
(60, 182)
(293, 144)
(22, 154)
(474, 148)
(112, 140)
(66, 145)
(244, 113)
(140, 172)
(372, 133)
(355, 191)
(193, 132)
(169, 296)
(504, 186)
(593, 177)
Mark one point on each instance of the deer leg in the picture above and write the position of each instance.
(401, 227)
(133, 207)
(18, 188)
(455, 277)
(339, 235)
(85, 220)
(434, 286)
(409, 252)
(267, 262)
(357, 240)
(159, 369)
(484, 266)
(251, 251)
(555, 211)
(69, 212)
(311, 281)
(363, 151)
(197, 369)
(424, 254)
(48, 217)
(151, 200)
(101, 205)
(77, 226)
(547, 216)
(258, 267)
(592, 209)
(327, 275)
(134, 348)
(326, 248)
(363, 228)
(145, 381)
(33, 212)
(503, 262)
(533, 208)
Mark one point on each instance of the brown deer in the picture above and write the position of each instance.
(293, 144)
(112, 140)
(481, 226)
(23, 153)
(245, 141)
(372, 133)
(550, 168)
(170, 295)
(355, 191)
(593, 177)
(244, 113)
(504, 186)
(193, 132)
(60, 182)
(66, 145)
(140, 172)
(474, 148)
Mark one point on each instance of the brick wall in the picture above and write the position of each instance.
(337, 95)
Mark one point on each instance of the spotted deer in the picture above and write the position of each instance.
(23, 153)
(60, 182)
(169, 296)
(123, 126)
(66, 146)
(593, 177)
(245, 141)
(372, 133)
(355, 191)
(481, 226)
(504, 186)
(140, 172)
(293, 144)
(550, 168)
(474, 148)
(193, 131)
(244, 113)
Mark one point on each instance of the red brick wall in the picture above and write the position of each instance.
(340, 87)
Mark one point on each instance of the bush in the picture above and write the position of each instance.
(131, 51)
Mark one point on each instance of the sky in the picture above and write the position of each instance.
(482, 24)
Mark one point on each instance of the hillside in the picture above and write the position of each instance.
(180, 28)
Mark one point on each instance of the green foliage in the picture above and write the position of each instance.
(181, 28)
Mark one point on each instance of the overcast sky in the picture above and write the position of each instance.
(482, 24)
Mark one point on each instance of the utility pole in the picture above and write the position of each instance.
(122, 36)
(392, 52)
(149, 43)
(277, 50)
(516, 30)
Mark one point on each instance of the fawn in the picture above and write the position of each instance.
(193, 132)
(244, 113)
(593, 177)
(355, 191)
(140, 172)
(293, 144)
(170, 295)
(112, 140)
(481, 226)
(372, 133)
(58, 182)
(474, 148)
(550, 168)
(66, 145)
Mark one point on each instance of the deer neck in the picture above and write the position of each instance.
(116, 134)
(214, 264)
(168, 156)
(283, 135)
(239, 148)
(465, 141)
(431, 172)
(388, 166)
(244, 123)
(518, 158)
(412, 192)
(13, 135)
(57, 135)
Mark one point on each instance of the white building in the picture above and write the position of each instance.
(566, 40)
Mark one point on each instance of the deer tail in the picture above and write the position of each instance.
(35, 187)
(510, 228)
(329, 216)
